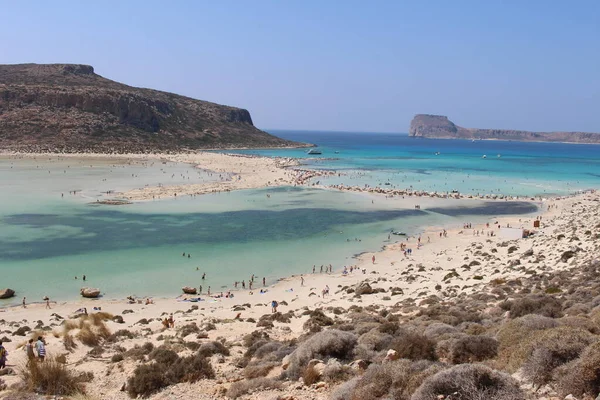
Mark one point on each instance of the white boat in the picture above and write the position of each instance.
(484, 156)
(314, 151)
(399, 233)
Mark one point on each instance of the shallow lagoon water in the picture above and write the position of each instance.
(46, 240)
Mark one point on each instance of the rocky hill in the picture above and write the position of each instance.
(68, 107)
(439, 126)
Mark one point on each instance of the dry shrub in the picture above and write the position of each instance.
(211, 348)
(69, 342)
(317, 319)
(51, 377)
(188, 329)
(259, 370)
(439, 330)
(581, 376)
(91, 334)
(413, 346)
(514, 338)
(581, 322)
(547, 306)
(71, 324)
(393, 380)
(375, 340)
(139, 352)
(472, 349)
(322, 345)
(310, 375)
(469, 382)
(240, 388)
(336, 372)
(163, 356)
(98, 318)
(552, 349)
(121, 333)
(150, 378)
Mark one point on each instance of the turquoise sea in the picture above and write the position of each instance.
(48, 235)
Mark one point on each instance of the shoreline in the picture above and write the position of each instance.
(436, 270)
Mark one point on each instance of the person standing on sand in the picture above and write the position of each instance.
(301, 280)
(40, 347)
(29, 351)
(373, 259)
(47, 303)
(274, 305)
(3, 355)
(24, 302)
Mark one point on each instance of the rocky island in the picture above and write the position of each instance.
(440, 127)
(69, 108)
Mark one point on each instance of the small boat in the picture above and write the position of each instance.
(484, 156)
(499, 156)
(314, 151)
(437, 153)
(399, 233)
(337, 152)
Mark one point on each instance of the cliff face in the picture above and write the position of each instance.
(438, 126)
(65, 107)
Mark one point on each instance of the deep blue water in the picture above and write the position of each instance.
(514, 168)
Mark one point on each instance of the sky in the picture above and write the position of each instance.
(335, 65)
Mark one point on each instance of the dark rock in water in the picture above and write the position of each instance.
(189, 290)
(6, 293)
(69, 108)
(90, 293)
(439, 126)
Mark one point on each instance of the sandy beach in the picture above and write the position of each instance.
(445, 264)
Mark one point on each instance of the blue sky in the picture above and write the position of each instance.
(336, 65)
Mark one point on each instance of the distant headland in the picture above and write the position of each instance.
(69, 108)
(440, 127)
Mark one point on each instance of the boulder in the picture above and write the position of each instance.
(189, 290)
(359, 365)
(392, 355)
(285, 363)
(118, 319)
(6, 293)
(90, 293)
(567, 255)
(363, 288)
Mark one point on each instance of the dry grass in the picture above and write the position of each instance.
(51, 377)
(240, 388)
(469, 381)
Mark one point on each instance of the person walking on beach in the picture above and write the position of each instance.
(24, 302)
(373, 259)
(314, 267)
(40, 347)
(274, 305)
(3, 355)
(47, 303)
(301, 281)
(29, 351)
